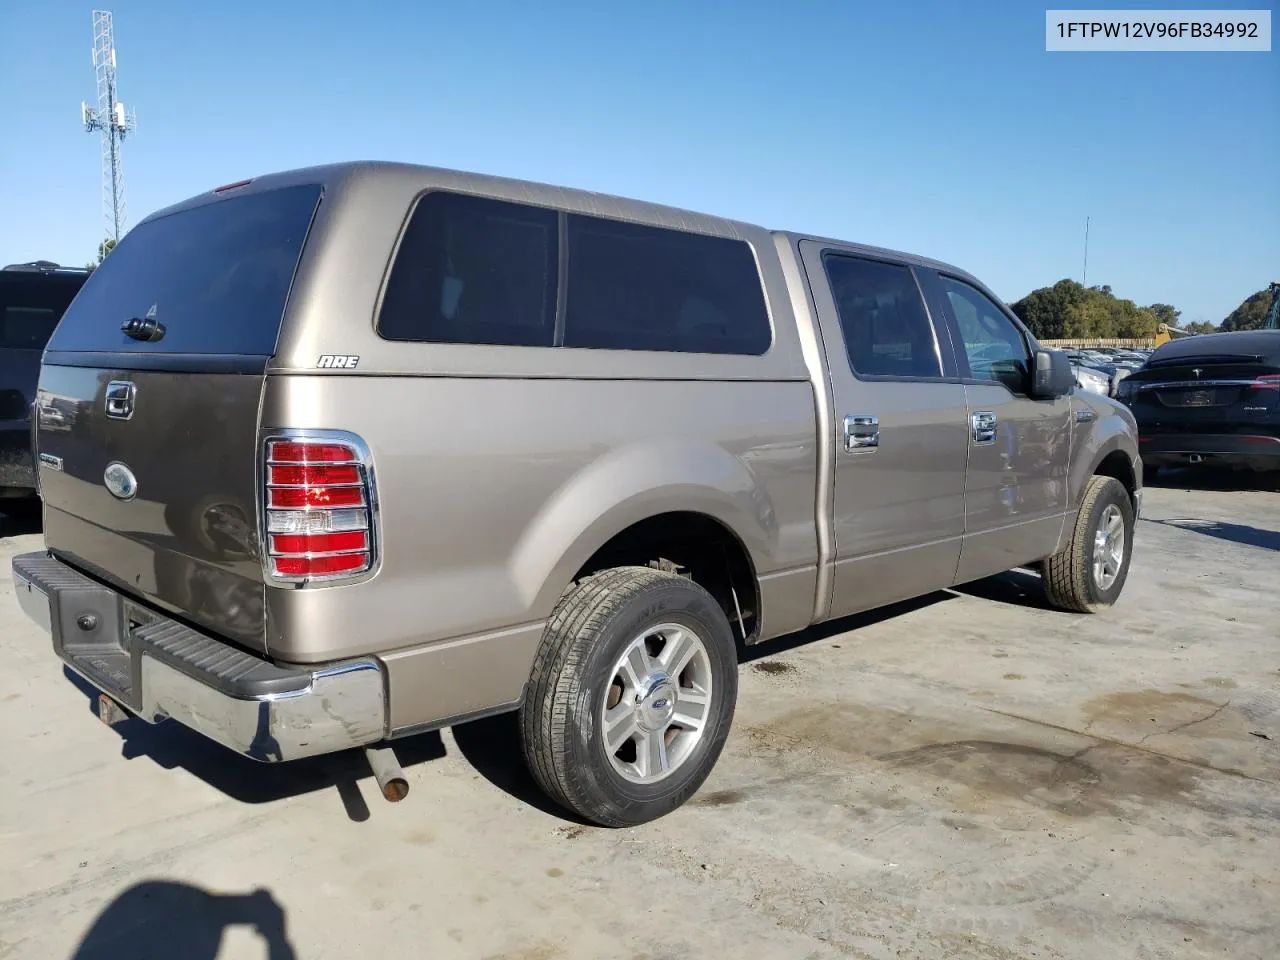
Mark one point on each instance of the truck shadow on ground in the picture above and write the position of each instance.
(1231, 532)
(159, 919)
(833, 628)
(172, 746)
(1020, 588)
(490, 745)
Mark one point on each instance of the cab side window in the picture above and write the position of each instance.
(886, 329)
(994, 345)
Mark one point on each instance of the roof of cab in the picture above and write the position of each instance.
(541, 194)
(878, 252)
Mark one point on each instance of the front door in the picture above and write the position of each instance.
(900, 426)
(1019, 448)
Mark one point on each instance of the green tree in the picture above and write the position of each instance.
(1132, 321)
(1165, 314)
(1100, 314)
(1046, 311)
(1089, 318)
(1068, 310)
(1250, 315)
(105, 247)
(1199, 326)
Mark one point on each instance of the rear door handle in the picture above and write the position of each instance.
(983, 426)
(119, 399)
(861, 433)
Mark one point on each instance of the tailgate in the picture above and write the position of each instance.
(148, 444)
(187, 538)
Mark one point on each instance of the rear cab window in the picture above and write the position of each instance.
(471, 270)
(887, 332)
(217, 276)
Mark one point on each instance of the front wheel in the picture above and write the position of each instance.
(1088, 573)
(632, 696)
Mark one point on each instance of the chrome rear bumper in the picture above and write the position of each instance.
(159, 669)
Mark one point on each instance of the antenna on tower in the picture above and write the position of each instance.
(1084, 275)
(112, 120)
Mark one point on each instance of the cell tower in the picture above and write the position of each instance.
(112, 120)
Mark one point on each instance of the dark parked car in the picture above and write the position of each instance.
(33, 297)
(1213, 399)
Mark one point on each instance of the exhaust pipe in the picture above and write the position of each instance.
(388, 772)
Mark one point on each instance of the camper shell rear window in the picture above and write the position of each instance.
(217, 276)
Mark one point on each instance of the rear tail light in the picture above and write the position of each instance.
(319, 506)
(1267, 381)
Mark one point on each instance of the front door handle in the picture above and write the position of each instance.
(861, 433)
(983, 426)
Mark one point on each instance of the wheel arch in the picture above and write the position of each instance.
(638, 498)
(698, 546)
(1109, 449)
(1117, 464)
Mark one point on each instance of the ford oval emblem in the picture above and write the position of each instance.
(120, 480)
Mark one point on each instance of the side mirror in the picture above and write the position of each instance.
(1051, 375)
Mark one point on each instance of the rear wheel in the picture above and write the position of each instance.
(632, 695)
(1088, 574)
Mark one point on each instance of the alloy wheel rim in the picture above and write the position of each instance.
(1108, 547)
(657, 703)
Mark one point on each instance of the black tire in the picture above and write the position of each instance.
(592, 626)
(1069, 580)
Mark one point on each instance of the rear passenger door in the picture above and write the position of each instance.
(1019, 448)
(900, 425)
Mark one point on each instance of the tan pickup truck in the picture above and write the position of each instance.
(349, 453)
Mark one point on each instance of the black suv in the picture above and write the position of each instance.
(33, 297)
(1212, 399)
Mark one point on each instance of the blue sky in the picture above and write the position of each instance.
(940, 128)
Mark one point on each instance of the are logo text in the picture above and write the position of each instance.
(337, 361)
